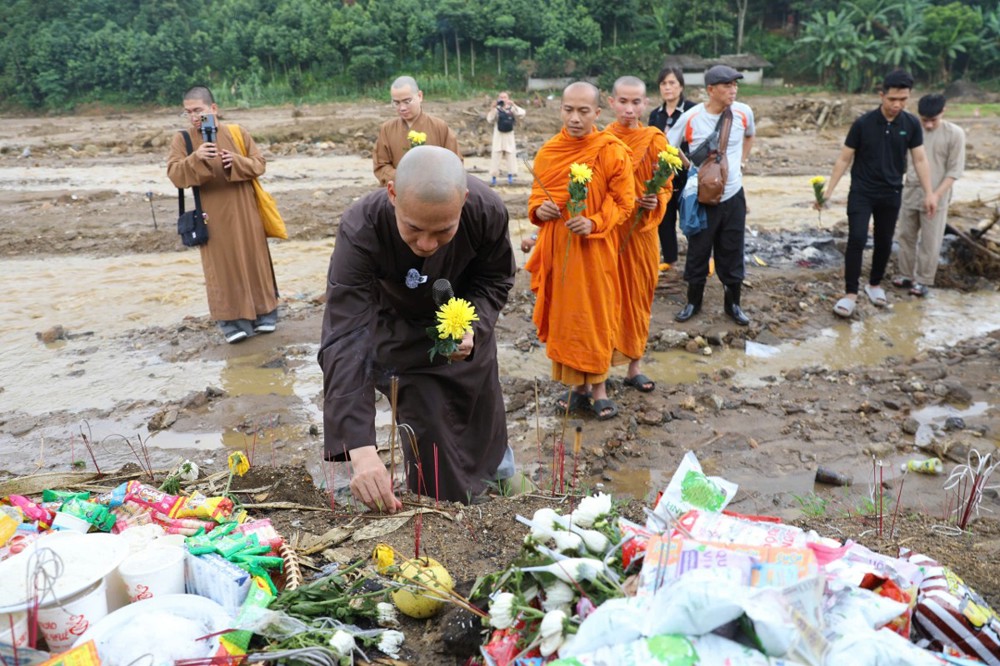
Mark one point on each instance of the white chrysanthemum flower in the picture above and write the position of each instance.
(572, 569)
(558, 595)
(567, 541)
(502, 611)
(390, 641)
(387, 615)
(342, 643)
(188, 471)
(545, 523)
(595, 542)
(591, 508)
(551, 632)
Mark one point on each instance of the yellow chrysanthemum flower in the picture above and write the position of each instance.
(580, 173)
(417, 138)
(817, 180)
(238, 463)
(668, 151)
(384, 557)
(455, 319)
(673, 161)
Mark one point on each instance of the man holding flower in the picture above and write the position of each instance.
(583, 191)
(412, 127)
(639, 255)
(432, 222)
(875, 150)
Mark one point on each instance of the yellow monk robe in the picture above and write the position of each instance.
(577, 300)
(639, 255)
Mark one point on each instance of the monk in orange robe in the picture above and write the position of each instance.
(573, 267)
(639, 256)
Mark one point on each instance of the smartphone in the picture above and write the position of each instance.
(208, 128)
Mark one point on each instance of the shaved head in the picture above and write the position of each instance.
(405, 82)
(430, 174)
(428, 193)
(628, 82)
(582, 87)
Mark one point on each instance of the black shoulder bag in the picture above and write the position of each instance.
(192, 225)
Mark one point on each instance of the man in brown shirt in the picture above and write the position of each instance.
(393, 141)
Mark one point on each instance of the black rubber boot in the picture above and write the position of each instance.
(693, 307)
(732, 306)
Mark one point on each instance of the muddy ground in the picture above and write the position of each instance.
(73, 187)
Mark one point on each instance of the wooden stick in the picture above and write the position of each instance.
(536, 179)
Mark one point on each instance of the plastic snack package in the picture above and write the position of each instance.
(690, 488)
(953, 614)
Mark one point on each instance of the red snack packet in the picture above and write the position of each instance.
(884, 587)
(634, 548)
(157, 500)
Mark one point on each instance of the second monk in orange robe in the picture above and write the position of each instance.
(639, 256)
(574, 266)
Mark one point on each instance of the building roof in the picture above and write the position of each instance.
(694, 63)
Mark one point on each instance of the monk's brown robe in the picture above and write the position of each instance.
(239, 279)
(378, 307)
(392, 143)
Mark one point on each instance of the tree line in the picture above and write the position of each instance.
(58, 53)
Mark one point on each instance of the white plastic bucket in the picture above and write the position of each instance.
(62, 623)
(154, 572)
(14, 629)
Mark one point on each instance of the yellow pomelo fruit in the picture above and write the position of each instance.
(426, 585)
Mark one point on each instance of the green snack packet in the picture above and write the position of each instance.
(260, 596)
(63, 495)
(96, 514)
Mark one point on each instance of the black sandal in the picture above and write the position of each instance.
(603, 404)
(641, 383)
(578, 402)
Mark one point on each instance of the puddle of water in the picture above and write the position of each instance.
(940, 320)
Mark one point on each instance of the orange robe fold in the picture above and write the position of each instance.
(639, 255)
(577, 297)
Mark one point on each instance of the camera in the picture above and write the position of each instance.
(500, 102)
(208, 128)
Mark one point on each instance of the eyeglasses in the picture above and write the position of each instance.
(187, 113)
(402, 102)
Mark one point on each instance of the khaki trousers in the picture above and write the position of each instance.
(919, 237)
(501, 162)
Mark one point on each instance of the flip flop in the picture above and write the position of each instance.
(578, 402)
(604, 404)
(640, 382)
(918, 290)
(844, 307)
(876, 295)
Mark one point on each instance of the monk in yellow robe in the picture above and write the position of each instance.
(639, 256)
(573, 267)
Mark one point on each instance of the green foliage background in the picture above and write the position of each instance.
(55, 54)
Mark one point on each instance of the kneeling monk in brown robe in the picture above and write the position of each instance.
(574, 266)
(431, 222)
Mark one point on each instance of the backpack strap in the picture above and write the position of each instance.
(180, 191)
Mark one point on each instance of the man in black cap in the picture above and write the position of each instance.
(875, 149)
(727, 220)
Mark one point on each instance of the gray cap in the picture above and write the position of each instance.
(721, 74)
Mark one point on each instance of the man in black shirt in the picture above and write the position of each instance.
(875, 149)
